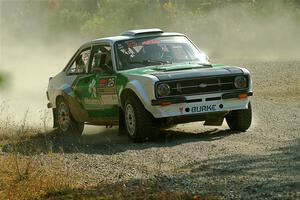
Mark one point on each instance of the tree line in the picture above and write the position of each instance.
(97, 18)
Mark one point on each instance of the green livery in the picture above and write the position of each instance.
(144, 79)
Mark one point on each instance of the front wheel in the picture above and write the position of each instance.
(138, 121)
(67, 125)
(240, 120)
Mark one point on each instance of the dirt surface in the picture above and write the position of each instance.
(263, 162)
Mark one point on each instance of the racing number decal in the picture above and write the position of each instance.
(102, 91)
(111, 82)
(106, 85)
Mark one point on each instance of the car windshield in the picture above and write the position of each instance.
(149, 51)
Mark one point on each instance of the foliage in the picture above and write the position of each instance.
(97, 18)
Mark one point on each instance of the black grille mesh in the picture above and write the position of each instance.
(201, 85)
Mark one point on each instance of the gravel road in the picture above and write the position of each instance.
(263, 162)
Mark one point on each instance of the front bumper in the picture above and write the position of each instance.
(198, 104)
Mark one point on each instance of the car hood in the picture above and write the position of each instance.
(178, 71)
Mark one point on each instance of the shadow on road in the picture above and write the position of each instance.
(275, 175)
(108, 142)
(272, 176)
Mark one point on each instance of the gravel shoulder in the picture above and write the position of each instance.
(263, 162)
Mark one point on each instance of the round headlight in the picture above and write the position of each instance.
(163, 90)
(240, 82)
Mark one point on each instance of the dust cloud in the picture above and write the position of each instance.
(237, 31)
(29, 67)
(229, 32)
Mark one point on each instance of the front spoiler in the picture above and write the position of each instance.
(199, 104)
(183, 99)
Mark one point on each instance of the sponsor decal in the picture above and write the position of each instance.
(198, 109)
(151, 42)
(92, 89)
(107, 82)
(88, 101)
(101, 91)
(102, 81)
(205, 108)
(109, 99)
(106, 86)
(106, 90)
(96, 92)
(111, 82)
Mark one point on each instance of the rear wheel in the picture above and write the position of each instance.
(240, 120)
(67, 125)
(138, 121)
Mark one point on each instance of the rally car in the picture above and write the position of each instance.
(144, 79)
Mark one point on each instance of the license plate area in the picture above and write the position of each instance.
(199, 108)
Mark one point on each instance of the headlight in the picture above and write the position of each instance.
(240, 82)
(163, 90)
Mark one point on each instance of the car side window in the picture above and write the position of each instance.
(96, 57)
(80, 64)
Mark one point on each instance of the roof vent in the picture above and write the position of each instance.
(142, 32)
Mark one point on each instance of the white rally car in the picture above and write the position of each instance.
(145, 79)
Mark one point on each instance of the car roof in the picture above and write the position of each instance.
(133, 34)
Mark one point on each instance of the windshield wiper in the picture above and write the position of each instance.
(203, 64)
(147, 62)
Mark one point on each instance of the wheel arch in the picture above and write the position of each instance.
(77, 112)
(54, 110)
(60, 96)
(140, 91)
(125, 93)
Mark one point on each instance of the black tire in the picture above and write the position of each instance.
(138, 121)
(66, 124)
(240, 120)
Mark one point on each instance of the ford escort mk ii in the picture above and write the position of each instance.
(144, 79)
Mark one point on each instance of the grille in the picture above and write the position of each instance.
(201, 85)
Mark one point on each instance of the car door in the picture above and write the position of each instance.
(76, 68)
(97, 90)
